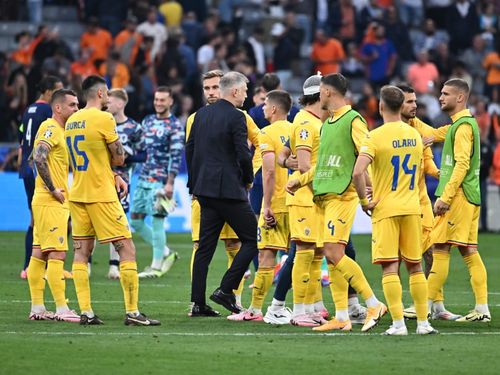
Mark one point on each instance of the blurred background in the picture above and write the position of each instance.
(139, 45)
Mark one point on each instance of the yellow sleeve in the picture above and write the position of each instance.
(359, 132)
(368, 147)
(45, 135)
(462, 150)
(307, 178)
(428, 131)
(304, 135)
(430, 167)
(189, 124)
(108, 128)
(265, 143)
(252, 130)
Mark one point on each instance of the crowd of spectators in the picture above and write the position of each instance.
(141, 44)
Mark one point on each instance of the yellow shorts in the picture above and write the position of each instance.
(227, 232)
(459, 225)
(277, 238)
(304, 223)
(107, 220)
(337, 219)
(427, 224)
(50, 231)
(395, 237)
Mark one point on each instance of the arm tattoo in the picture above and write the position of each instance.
(42, 167)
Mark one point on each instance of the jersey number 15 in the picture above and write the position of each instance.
(73, 148)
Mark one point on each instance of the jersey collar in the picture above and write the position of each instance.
(340, 112)
(462, 113)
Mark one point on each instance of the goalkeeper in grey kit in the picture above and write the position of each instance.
(164, 142)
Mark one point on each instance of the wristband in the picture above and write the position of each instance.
(284, 162)
(364, 201)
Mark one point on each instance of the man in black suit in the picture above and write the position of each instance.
(219, 175)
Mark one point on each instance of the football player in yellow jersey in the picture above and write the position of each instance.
(395, 208)
(94, 147)
(304, 264)
(273, 232)
(51, 211)
(408, 115)
(232, 243)
(459, 199)
(335, 195)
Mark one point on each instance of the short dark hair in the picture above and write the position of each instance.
(90, 83)
(306, 100)
(406, 88)
(164, 89)
(60, 94)
(48, 83)
(258, 90)
(392, 97)
(337, 81)
(281, 99)
(459, 84)
(270, 82)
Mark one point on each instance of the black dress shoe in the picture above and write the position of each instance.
(228, 300)
(202, 310)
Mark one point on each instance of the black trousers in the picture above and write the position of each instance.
(214, 213)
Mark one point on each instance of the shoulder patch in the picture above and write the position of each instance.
(304, 134)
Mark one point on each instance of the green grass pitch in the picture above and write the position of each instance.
(183, 345)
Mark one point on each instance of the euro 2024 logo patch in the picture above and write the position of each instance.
(304, 134)
(48, 133)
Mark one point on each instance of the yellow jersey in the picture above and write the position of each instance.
(88, 133)
(272, 139)
(304, 134)
(396, 151)
(51, 134)
(428, 165)
(428, 131)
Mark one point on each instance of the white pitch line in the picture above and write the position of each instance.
(234, 334)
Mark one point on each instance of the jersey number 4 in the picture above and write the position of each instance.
(396, 160)
(73, 148)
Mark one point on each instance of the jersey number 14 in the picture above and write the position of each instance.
(396, 160)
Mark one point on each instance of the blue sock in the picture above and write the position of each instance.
(28, 246)
(351, 253)
(256, 262)
(285, 279)
(159, 240)
(144, 230)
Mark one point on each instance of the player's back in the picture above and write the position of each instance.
(272, 139)
(304, 134)
(33, 116)
(88, 133)
(396, 150)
